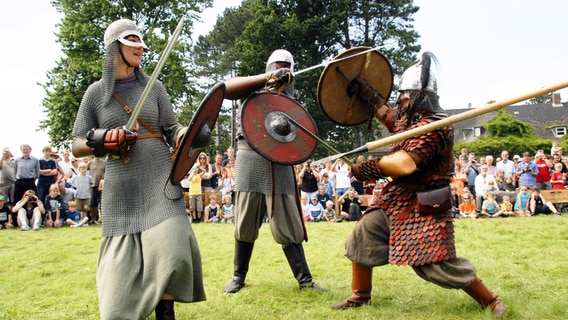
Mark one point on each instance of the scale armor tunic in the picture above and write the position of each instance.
(416, 239)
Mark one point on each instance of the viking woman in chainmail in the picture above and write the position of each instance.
(399, 229)
(266, 188)
(149, 256)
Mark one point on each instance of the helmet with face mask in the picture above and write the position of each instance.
(120, 30)
(116, 33)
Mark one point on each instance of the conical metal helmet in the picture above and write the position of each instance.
(414, 78)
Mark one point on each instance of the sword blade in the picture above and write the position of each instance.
(161, 62)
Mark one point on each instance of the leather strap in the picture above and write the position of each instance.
(153, 133)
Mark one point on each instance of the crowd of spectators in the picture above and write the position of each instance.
(49, 191)
(59, 190)
(510, 187)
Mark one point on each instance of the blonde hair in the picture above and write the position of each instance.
(71, 204)
(82, 165)
(54, 187)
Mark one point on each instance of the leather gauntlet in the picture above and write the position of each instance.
(364, 91)
(368, 170)
(116, 141)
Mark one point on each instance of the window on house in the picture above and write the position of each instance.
(559, 131)
(476, 131)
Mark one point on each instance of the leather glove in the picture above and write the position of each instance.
(281, 77)
(368, 170)
(116, 141)
(364, 91)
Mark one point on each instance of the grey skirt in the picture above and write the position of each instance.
(135, 270)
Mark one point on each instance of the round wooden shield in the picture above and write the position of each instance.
(335, 99)
(198, 133)
(267, 128)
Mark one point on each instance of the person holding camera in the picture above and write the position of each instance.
(29, 211)
(309, 181)
(527, 171)
(471, 170)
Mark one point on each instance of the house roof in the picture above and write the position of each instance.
(543, 118)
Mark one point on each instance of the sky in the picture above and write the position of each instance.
(487, 49)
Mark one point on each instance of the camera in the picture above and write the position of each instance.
(31, 198)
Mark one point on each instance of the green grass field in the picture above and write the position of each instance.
(50, 274)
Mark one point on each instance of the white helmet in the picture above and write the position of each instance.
(119, 30)
(412, 79)
(279, 55)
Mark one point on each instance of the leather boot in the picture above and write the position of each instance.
(361, 285)
(478, 291)
(297, 261)
(243, 252)
(165, 310)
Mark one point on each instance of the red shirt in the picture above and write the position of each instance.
(557, 176)
(543, 171)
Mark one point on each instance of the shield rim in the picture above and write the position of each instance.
(205, 113)
(331, 65)
(257, 149)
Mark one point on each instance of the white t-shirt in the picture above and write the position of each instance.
(342, 176)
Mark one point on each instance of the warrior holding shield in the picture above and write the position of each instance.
(149, 255)
(265, 183)
(411, 224)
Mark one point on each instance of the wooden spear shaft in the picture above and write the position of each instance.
(377, 144)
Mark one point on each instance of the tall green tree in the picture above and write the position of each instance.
(81, 38)
(314, 31)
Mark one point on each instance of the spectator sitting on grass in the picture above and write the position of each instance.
(329, 212)
(53, 204)
(507, 207)
(29, 210)
(522, 204)
(539, 205)
(316, 210)
(350, 205)
(228, 214)
(212, 211)
(490, 207)
(5, 214)
(73, 217)
(468, 208)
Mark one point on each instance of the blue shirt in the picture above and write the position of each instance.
(527, 178)
(26, 168)
(471, 173)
